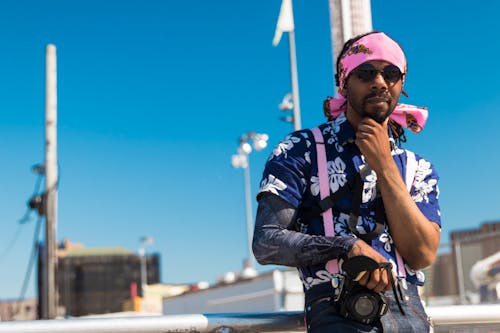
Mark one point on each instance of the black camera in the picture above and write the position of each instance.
(356, 301)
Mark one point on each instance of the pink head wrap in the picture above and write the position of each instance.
(376, 46)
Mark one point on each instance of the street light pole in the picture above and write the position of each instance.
(248, 207)
(142, 256)
(145, 240)
(241, 160)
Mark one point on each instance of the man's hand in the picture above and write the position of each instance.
(373, 142)
(378, 280)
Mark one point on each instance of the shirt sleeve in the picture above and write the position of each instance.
(287, 168)
(425, 190)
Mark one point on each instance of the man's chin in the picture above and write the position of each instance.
(378, 115)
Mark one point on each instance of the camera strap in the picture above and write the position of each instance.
(357, 195)
(356, 267)
(398, 294)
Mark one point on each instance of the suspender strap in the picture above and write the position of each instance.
(324, 191)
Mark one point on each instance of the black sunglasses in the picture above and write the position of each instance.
(368, 72)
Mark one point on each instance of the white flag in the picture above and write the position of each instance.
(285, 21)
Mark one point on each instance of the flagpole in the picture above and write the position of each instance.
(295, 82)
(286, 24)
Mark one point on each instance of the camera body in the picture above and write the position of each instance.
(355, 301)
(360, 303)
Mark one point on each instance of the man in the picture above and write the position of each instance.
(334, 195)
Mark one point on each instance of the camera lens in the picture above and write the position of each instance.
(365, 306)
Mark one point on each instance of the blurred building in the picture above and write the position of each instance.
(152, 301)
(441, 277)
(18, 310)
(449, 277)
(278, 290)
(99, 280)
(469, 247)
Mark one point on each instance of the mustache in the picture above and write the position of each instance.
(385, 95)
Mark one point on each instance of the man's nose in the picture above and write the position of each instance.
(379, 82)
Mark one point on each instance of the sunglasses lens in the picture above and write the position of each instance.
(367, 73)
(391, 73)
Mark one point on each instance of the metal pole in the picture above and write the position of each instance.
(295, 82)
(460, 272)
(208, 323)
(51, 178)
(346, 19)
(144, 276)
(248, 204)
(335, 33)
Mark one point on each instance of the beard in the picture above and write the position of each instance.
(379, 117)
(365, 108)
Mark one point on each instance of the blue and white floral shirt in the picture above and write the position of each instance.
(291, 173)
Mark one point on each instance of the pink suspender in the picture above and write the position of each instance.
(324, 191)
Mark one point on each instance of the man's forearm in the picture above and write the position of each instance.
(416, 238)
(274, 243)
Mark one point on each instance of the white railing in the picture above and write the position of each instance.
(196, 323)
(444, 317)
(465, 316)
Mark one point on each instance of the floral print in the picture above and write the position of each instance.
(285, 145)
(336, 174)
(422, 187)
(291, 173)
(272, 184)
(341, 224)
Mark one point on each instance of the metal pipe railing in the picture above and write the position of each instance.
(196, 323)
(458, 316)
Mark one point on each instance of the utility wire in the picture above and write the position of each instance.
(34, 250)
(22, 221)
(31, 264)
(12, 242)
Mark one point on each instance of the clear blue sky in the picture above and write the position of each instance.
(153, 96)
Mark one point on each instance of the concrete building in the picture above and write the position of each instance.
(469, 247)
(448, 279)
(18, 310)
(99, 280)
(278, 290)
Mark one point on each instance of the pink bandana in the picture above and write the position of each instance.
(377, 46)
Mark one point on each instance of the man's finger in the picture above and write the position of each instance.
(374, 280)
